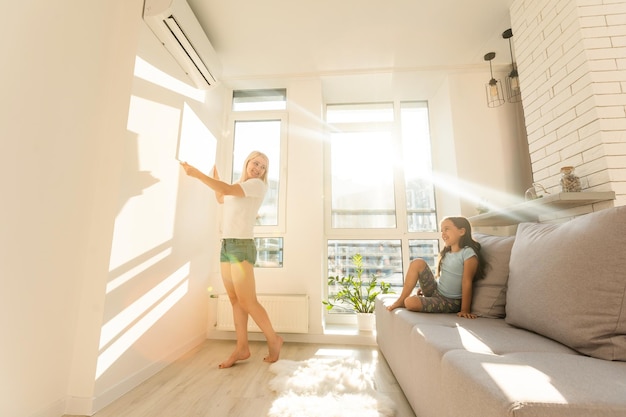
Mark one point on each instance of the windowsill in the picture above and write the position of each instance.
(349, 334)
(343, 329)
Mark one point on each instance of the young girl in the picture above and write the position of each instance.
(242, 201)
(460, 262)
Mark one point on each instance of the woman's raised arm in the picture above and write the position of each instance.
(220, 187)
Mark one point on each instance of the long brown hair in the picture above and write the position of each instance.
(466, 241)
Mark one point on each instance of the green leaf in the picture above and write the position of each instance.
(356, 292)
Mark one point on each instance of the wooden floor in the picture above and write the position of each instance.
(194, 386)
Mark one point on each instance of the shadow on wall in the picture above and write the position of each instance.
(135, 180)
(153, 306)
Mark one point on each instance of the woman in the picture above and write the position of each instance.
(242, 201)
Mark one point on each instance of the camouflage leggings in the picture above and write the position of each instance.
(432, 301)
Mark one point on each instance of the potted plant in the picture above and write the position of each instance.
(357, 293)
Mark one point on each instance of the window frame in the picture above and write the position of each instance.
(348, 233)
(260, 116)
(400, 232)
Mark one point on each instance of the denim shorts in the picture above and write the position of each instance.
(238, 250)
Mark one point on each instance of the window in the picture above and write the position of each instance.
(268, 99)
(362, 181)
(379, 190)
(362, 160)
(264, 136)
(256, 125)
(270, 252)
(381, 257)
(427, 249)
(416, 151)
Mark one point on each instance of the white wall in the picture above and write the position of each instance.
(103, 237)
(162, 253)
(490, 148)
(66, 77)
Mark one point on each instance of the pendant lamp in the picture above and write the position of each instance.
(493, 89)
(513, 91)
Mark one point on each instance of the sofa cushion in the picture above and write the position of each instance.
(567, 281)
(489, 295)
(545, 384)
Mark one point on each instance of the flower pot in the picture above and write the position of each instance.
(366, 321)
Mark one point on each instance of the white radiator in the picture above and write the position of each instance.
(288, 313)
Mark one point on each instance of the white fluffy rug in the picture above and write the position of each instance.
(326, 388)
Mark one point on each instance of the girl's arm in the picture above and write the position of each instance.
(221, 188)
(469, 270)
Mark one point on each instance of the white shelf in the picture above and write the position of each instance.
(530, 211)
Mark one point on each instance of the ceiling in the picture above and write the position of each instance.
(295, 38)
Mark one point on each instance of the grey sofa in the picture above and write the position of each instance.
(550, 339)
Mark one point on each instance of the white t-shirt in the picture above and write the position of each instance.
(451, 276)
(239, 215)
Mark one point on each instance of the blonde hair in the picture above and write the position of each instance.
(254, 154)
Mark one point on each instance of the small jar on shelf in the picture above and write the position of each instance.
(570, 183)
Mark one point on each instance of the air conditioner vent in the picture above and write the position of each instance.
(175, 25)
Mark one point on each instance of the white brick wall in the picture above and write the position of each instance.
(571, 56)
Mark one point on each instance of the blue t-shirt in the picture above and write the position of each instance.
(451, 274)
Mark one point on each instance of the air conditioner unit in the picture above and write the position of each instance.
(176, 26)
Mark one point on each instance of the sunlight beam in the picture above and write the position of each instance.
(109, 356)
(334, 352)
(476, 193)
(471, 343)
(150, 73)
(131, 313)
(524, 383)
(133, 272)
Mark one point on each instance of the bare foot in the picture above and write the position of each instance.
(274, 350)
(399, 303)
(234, 357)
